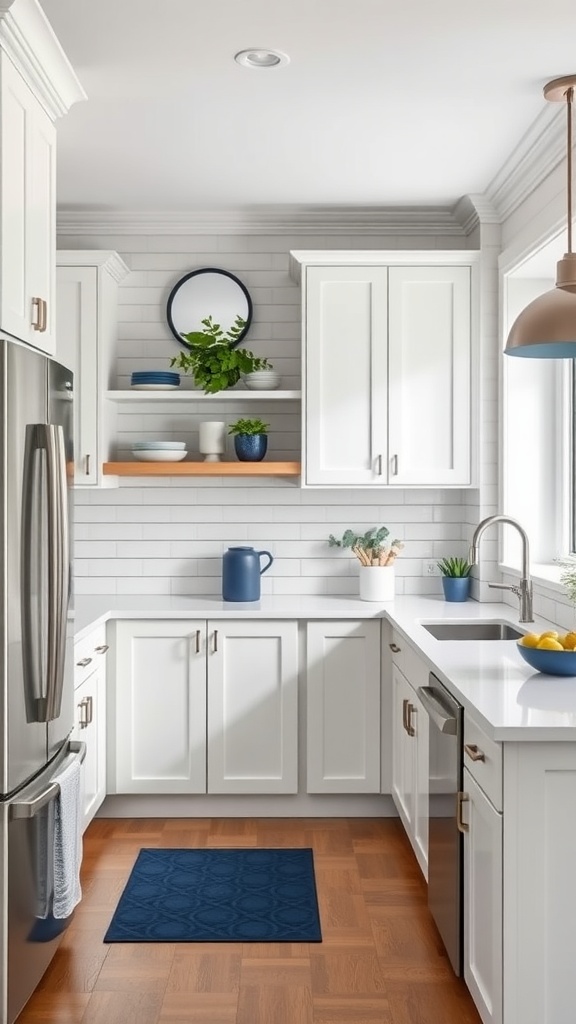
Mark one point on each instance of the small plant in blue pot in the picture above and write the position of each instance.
(455, 578)
(250, 439)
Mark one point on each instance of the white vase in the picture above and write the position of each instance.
(212, 440)
(377, 582)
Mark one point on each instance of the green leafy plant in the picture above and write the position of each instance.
(212, 360)
(370, 548)
(249, 427)
(454, 567)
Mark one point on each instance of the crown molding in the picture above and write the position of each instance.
(473, 210)
(107, 260)
(27, 37)
(272, 220)
(538, 153)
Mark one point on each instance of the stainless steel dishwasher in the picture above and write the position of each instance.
(444, 839)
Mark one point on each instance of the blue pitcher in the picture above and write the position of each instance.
(241, 574)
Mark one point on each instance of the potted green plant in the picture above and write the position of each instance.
(376, 557)
(213, 361)
(455, 577)
(250, 439)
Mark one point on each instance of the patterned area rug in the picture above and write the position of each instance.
(240, 895)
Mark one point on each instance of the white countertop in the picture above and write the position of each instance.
(509, 699)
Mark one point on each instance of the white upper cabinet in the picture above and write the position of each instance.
(87, 296)
(387, 365)
(37, 85)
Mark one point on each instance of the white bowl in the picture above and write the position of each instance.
(158, 455)
(262, 380)
(168, 446)
(154, 387)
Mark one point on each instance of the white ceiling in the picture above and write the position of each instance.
(383, 102)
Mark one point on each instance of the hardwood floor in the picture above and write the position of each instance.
(380, 962)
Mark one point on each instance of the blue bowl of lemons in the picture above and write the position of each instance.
(551, 652)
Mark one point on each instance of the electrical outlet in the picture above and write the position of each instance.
(431, 569)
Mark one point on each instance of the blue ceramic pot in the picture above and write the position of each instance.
(241, 573)
(250, 447)
(456, 588)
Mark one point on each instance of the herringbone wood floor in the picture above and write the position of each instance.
(380, 962)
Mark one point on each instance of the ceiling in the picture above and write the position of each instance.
(382, 103)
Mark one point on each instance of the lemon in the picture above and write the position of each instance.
(549, 643)
(530, 640)
(552, 633)
(569, 642)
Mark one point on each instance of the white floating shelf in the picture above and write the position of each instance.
(199, 396)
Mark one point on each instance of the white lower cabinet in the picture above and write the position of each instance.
(343, 707)
(90, 717)
(205, 707)
(482, 901)
(410, 764)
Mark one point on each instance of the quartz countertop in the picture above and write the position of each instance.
(509, 699)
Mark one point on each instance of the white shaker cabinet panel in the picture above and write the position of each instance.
(483, 901)
(429, 373)
(27, 212)
(160, 707)
(343, 707)
(90, 728)
(345, 363)
(388, 354)
(252, 707)
(410, 764)
(87, 293)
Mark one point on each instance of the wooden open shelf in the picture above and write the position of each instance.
(201, 468)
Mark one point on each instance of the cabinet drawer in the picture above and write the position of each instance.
(398, 647)
(88, 654)
(483, 759)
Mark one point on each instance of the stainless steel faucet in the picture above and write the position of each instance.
(524, 588)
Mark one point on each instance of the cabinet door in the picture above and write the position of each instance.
(403, 760)
(429, 375)
(483, 902)
(419, 725)
(160, 707)
(28, 249)
(90, 728)
(343, 707)
(77, 348)
(345, 376)
(252, 707)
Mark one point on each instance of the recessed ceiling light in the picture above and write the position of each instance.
(259, 58)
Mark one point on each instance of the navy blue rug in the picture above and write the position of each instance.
(240, 895)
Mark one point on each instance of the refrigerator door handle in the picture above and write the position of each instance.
(59, 565)
(44, 682)
(30, 808)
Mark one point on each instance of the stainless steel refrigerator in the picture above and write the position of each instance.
(36, 663)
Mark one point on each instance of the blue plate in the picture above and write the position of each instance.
(554, 663)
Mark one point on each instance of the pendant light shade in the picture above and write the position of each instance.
(546, 329)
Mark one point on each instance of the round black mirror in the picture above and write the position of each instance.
(208, 292)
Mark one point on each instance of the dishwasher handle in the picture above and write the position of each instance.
(442, 717)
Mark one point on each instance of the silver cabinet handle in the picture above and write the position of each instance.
(87, 464)
(394, 648)
(198, 637)
(394, 461)
(36, 320)
(90, 710)
(379, 465)
(215, 647)
(405, 703)
(102, 648)
(84, 717)
(44, 311)
(461, 798)
(410, 710)
(474, 752)
(83, 662)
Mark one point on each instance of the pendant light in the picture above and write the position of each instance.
(546, 329)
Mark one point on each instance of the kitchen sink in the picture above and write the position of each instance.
(493, 630)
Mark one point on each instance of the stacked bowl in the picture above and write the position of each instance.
(262, 380)
(154, 380)
(159, 451)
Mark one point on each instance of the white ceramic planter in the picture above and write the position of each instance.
(377, 582)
